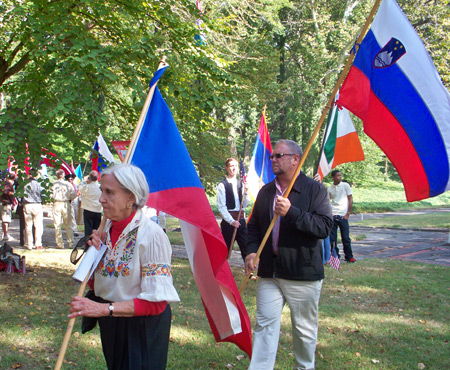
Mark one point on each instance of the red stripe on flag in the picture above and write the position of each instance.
(384, 129)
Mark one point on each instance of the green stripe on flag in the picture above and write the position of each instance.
(330, 144)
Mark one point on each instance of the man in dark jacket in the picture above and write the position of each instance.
(290, 266)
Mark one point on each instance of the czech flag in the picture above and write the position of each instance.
(260, 170)
(394, 87)
(175, 188)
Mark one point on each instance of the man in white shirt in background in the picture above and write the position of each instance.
(341, 205)
(63, 194)
(229, 197)
(92, 209)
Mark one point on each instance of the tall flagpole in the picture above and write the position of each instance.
(82, 287)
(316, 131)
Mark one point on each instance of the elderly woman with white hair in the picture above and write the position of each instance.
(133, 282)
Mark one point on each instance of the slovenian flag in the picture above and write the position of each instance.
(101, 156)
(341, 143)
(394, 87)
(175, 188)
(260, 170)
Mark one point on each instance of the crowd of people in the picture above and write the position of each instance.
(132, 287)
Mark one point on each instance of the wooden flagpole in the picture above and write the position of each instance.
(314, 135)
(137, 130)
(235, 229)
(70, 324)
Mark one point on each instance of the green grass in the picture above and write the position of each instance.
(390, 196)
(423, 221)
(376, 314)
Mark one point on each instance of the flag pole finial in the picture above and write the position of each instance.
(162, 62)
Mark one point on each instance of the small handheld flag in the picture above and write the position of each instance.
(242, 172)
(335, 262)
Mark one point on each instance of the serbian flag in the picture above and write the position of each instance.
(101, 156)
(260, 169)
(175, 188)
(394, 87)
(341, 143)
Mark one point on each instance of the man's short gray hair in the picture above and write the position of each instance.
(293, 146)
(132, 180)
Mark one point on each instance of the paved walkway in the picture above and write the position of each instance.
(427, 246)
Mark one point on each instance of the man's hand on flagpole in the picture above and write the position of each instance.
(249, 263)
(282, 206)
(236, 224)
(317, 178)
(245, 187)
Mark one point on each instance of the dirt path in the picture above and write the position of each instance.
(404, 244)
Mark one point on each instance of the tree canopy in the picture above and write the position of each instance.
(71, 68)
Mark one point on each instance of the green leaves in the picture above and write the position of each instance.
(69, 68)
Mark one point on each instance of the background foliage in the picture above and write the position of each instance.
(69, 69)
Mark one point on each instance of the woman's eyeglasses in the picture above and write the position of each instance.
(279, 155)
(81, 245)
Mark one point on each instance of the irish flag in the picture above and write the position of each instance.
(341, 143)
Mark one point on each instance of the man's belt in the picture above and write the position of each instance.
(235, 215)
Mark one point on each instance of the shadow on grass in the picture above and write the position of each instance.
(375, 314)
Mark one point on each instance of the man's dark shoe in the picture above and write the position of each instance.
(350, 260)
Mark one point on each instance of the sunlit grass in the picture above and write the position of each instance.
(428, 220)
(376, 314)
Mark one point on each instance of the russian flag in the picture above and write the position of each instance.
(101, 156)
(175, 188)
(394, 87)
(260, 170)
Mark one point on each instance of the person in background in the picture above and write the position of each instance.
(133, 282)
(32, 209)
(7, 205)
(74, 203)
(62, 194)
(92, 209)
(156, 216)
(290, 268)
(341, 204)
(230, 192)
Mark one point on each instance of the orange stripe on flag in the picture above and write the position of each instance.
(348, 149)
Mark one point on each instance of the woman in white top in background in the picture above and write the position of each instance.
(133, 282)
